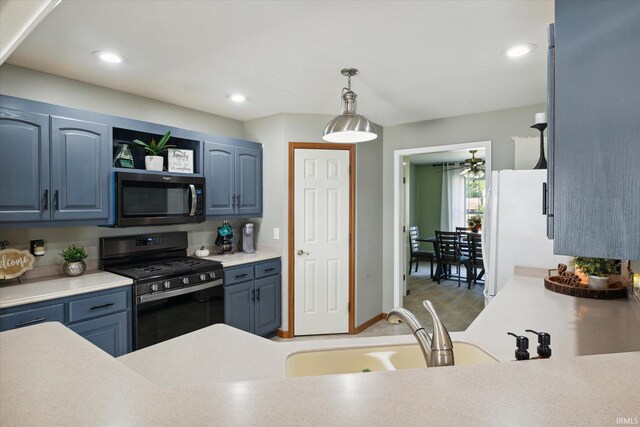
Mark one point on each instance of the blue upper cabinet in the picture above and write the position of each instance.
(234, 179)
(248, 181)
(219, 167)
(80, 168)
(24, 166)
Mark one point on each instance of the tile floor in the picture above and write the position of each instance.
(456, 306)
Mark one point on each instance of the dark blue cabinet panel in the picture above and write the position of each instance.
(248, 181)
(267, 304)
(80, 167)
(32, 316)
(24, 166)
(253, 305)
(238, 306)
(219, 167)
(108, 332)
(234, 179)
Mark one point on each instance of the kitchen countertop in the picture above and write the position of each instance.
(74, 383)
(239, 258)
(44, 289)
(578, 326)
(223, 376)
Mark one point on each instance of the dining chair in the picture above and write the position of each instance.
(450, 254)
(418, 254)
(477, 261)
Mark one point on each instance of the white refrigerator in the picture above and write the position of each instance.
(514, 228)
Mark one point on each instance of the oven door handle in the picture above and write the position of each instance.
(168, 294)
(194, 200)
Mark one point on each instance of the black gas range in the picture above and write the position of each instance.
(173, 293)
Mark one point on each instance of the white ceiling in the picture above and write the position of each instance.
(418, 60)
(444, 157)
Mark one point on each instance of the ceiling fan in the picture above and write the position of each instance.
(472, 167)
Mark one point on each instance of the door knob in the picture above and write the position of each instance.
(301, 252)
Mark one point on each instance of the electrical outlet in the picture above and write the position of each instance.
(276, 234)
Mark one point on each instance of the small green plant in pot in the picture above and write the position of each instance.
(154, 161)
(74, 260)
(598, 270)
(475, 223)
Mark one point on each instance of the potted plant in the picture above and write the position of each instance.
(597, 269)
(155, 162)
(74, 260)
(475, 223)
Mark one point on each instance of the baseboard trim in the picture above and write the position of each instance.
(282, 334)
(370, 322)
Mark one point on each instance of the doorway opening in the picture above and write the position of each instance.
(434, 190)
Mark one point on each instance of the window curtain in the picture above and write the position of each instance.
(452, 207)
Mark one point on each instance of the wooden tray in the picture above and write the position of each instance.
(615, 290)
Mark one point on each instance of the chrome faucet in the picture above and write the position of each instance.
(437, 351)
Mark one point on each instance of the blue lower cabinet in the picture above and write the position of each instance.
(103, 317)
(252, 297)
(238, 306)
(267, 305)
(110, 333)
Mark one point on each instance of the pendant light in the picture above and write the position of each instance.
(349, 127)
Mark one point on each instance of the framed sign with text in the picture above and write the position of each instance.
(180, 160)
(13, 263)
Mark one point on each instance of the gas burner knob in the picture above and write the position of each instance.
(203, 277)
(185, 280)
(212, 275)
(167, 284)
(155, 287)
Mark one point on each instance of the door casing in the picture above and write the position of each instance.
(352, 227)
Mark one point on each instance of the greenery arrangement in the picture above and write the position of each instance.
(74, 253)
(474, 221)
(600, 267)
(155, 149)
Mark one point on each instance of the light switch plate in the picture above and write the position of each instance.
(276, 233)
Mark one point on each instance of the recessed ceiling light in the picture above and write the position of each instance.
(519, 50)
(110, 57)
(236, 97)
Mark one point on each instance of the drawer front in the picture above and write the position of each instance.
(52, 313)
(238, 275)
(267, 268)
(88, 308)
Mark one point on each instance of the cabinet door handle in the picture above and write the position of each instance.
(30, 322)
(96, 307)
(46, 200)
(56, 206)
(238, 200)
(266, 270)
(258, 295)
(239, 276)
(253, 295)
(544, 198)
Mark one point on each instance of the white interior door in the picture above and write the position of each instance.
(321, 218)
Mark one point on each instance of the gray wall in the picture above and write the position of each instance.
(25, 83)
(275, 133)
(497, 126)
(427, 181)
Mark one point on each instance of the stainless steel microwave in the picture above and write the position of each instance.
(158, 199)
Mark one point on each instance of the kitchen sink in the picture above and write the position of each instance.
(376, 358)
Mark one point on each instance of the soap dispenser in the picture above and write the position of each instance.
(544, 339)
(522, 346)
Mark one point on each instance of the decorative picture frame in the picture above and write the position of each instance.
(180, 160)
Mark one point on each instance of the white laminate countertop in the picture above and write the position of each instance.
(578, 326)
(239, 258)
(51, 376)
(44, 289)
